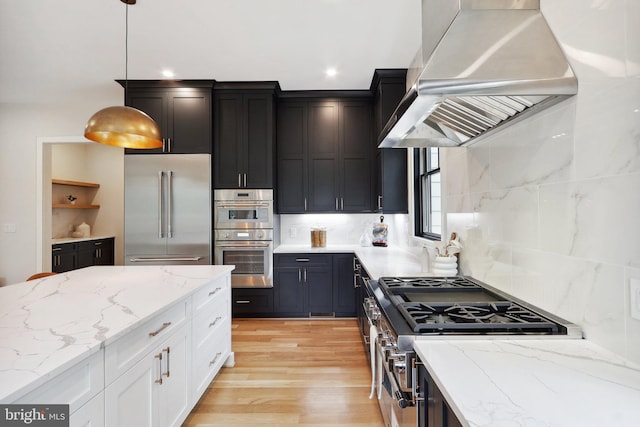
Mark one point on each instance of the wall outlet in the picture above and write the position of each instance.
(634, 300)
(292, 232)
(9, 228)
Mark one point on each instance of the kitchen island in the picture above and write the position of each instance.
(50, 327)
(533, 382)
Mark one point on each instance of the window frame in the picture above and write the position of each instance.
(420, 204)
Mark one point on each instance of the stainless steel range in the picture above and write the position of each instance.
(404, 309)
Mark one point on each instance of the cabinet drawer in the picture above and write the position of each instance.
(91, 414)
(246, 301)
(208, 360)
(126, 351)
(75, 386)
(63, 248)
(207, 322)
(301, 260)
(210, 293)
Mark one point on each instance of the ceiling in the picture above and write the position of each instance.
(51, 49)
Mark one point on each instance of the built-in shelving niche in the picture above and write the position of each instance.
(67, 215)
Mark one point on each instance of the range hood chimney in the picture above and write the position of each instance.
(489, 63)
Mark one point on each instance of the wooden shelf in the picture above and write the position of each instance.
(75, 183)
(70, 206)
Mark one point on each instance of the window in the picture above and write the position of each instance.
(427, 192)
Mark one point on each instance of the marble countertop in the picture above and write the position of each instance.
(48, 325)
(78, 239)
(378, 261)
(534, 382)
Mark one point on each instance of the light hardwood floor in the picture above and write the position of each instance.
(310, 373)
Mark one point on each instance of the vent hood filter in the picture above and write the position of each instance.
(492, 67)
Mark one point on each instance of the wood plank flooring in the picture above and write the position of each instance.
(310, 373)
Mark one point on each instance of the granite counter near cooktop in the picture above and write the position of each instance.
(534, 382)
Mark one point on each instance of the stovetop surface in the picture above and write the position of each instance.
(460, 305)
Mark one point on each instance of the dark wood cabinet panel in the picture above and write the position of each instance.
(344, 291)
(182, 110)
(391, 163)
(244, 123)
(249, 302)
(71, 256)
(327, 143)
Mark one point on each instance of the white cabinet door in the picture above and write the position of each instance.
(155, 391)
(173, 394)
(91, 414)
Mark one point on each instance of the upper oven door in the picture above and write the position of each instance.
(243, 214)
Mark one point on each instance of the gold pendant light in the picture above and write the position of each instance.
(124, 126)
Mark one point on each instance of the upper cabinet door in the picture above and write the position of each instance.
(292, 163)
(323, 143)
(244, 138)
(183, 113)
(356, 192)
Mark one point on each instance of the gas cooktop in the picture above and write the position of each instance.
(454, 282)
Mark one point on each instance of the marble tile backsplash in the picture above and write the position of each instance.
(548, 209)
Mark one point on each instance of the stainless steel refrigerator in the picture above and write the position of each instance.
(167, 207)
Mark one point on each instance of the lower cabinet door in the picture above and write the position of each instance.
(91, 414)
(174, 392)
(155, 391)
(131, 400)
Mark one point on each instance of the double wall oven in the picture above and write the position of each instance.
(402, 310)
(244, 235)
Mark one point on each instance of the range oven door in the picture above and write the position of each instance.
(252, 260)
(243, 214)
(395, 405)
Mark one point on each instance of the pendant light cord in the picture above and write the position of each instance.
(126, 51)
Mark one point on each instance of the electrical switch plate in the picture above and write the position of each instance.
(9, 228)
(634, 291)
(292, 232)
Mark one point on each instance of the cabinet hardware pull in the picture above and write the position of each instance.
(159, 357)
(303, 259)
(213, 292)
(57, 249)
(169, 203)
(305, 275)
(168, 350)
(213, 362)
(305, 204)
(341, 203)
(336, 203)
(245, 179)
(164, 326)
(216, 320)
(160, 195)
(380, 201)
(239, 180)
(169, 144)
(299, 275)
(243, 301)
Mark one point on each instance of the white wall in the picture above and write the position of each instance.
(548, 210)
(20, 126)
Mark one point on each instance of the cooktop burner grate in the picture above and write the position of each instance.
(427, 282)
(502, 317)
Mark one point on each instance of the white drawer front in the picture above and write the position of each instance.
(91, 414)
(211, 292)
(208, 360)
(75, 386)
(206, 323)
(125, 352)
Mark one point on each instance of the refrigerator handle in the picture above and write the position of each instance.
(169, 203)
(160, 195)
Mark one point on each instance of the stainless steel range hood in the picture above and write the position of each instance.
(489, 63)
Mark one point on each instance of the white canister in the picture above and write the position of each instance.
(84, 229)
(445, 266)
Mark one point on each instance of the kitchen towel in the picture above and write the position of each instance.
(373, 334)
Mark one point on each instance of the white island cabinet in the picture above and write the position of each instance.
(123, 346)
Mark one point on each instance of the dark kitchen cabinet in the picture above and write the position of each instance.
(314, 284)
(182, 110)
(303, 285)
(344, 291)
(391, 163)
(244, 134)
(324, 157)
(74, 255)
(251, 302)
(433, 409)
(63, 257)
(95, 252)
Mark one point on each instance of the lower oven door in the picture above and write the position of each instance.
(252, 260)
(395, 405)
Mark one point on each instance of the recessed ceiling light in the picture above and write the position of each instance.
(168, 74)
(331, 72)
